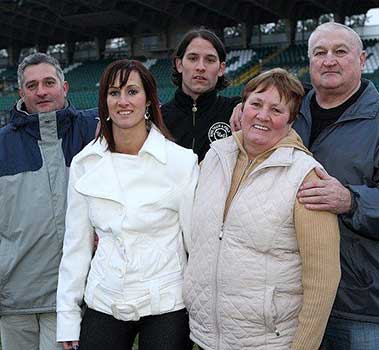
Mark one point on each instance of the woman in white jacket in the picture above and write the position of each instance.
(134, 188)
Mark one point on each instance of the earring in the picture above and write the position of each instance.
(147, 118)
(108, 119)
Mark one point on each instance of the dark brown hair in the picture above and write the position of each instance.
(122, 69)
(205, 34)
(288, 86)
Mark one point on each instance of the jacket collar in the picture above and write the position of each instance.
(292, 140)
(366, 107)
(282, 155)
(204, 101)
(20, 119)
(102, 181)
(155, 145)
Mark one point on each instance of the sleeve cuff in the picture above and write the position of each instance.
(68, 325)
(354, 201)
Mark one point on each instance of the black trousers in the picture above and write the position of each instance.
(169, 331)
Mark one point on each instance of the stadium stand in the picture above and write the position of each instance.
(371, 69)
(82, 31)
(240, 61)
(86, 75)
(242, 64)
(83, 77)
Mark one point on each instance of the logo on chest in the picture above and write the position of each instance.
(218, 131)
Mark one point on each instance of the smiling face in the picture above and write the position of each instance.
(200, 68)
(336, 62)
(265, 120)
(127, 104)
(42, 90)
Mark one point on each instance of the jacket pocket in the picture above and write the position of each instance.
(359, 263)
(359, 285)
(270, 311)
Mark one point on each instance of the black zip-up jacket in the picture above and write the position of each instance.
(195, 124)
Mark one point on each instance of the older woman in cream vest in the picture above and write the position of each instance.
(263, 270)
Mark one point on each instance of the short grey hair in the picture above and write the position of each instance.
(37, 58)
(333, 26)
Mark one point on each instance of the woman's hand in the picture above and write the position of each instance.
(68, 345)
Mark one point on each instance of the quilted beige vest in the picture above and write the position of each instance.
(243, 286)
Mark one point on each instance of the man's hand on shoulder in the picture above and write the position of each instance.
(326, 194)
(235, 119)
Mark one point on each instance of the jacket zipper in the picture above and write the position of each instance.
(194, 110)
(215, 312)
(220, 237)
(249, 163)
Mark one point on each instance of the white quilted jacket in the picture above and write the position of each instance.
(243, 283)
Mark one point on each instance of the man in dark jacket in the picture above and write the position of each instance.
(197, 115)
(36, 148)
(339, 122)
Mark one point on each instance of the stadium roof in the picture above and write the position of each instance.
(27, 23)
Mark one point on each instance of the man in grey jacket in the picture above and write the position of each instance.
(339, 123)
(36, 148)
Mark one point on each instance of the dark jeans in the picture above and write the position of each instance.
(159, 332)
(351, 335)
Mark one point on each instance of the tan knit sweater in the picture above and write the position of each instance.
(318, 239)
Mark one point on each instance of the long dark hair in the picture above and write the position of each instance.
(122, 69)
(205, 34)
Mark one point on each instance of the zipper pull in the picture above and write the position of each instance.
(221, 233)
(276, 331)
(194, 110)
